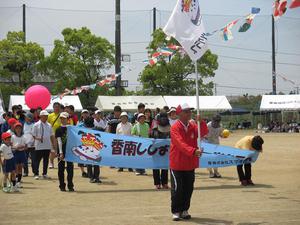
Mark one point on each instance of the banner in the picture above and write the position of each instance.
(89, 146)
(186, 26)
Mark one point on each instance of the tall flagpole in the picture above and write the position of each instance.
(198, 104)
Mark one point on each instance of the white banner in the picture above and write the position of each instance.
(186, 26)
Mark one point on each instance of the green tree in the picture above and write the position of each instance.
(19, 60)
(174, 75)
(81, 58)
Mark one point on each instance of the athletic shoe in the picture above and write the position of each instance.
(217, 175)
(25, 175)
(138, 174)
(84, 174)
(92, 180)
(46, 177)
(19, 185)
(211, 175)
(185, 215)
(36, 177)
(165, 186)
(62, 189)
(130, 170)
(176, 216)
(6, 189)
(51, 166)
(250, 182)
(120, 170)
(98, 181)
(244, 183)
(14, 189)
(157, 187)
(71, 190)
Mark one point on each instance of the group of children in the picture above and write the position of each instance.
(25, 139)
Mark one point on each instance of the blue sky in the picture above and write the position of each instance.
(236, 75)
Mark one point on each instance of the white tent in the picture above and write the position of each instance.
(66, 100)
(207, 103)
(280, 103)
(129, 103)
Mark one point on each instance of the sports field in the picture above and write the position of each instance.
(124, 198)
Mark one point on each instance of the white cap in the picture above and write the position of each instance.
(140, 115)
(98, 111)
(64, 115)
(44, 113)
(172, 110)
(84, 111)
(124, 114)
(183, 107)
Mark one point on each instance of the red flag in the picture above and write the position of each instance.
(279, 8)
(294, 4)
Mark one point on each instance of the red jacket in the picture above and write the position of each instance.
(184, 144)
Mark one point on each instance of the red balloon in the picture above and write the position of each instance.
(37, 96)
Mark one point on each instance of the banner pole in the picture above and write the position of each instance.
(198, 104)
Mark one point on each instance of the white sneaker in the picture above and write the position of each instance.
(218, 175)
(19, 185)
(185, 215)
(176, 216)
(14, 189)
(46, 177)
(6, 189)
(211, 175)
(36, 177)
(51, 166)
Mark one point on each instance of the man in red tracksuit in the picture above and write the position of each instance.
(184, 158)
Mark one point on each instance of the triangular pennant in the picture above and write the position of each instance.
(294, 4)
(279, 8)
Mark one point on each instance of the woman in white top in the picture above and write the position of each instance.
(124, 128)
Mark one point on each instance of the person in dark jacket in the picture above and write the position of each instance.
(184, 159)
(161, 130)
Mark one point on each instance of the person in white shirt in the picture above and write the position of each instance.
(172, 116)
(99, 122)
(44, 142)
(29, 140)
(18, 147)
(124, 128)
(8, 163)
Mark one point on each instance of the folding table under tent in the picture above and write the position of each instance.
(66, 100)
(129, 103)
(207, 103)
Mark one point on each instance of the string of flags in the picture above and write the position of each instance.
(280, 7)
(286, 79)
(107, 80)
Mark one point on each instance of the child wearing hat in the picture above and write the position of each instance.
(8, 163)
(124, 128)
(253, 143)
(61, 137)
(18, 146)
(141, 129)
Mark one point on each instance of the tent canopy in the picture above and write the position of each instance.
(236, 111)
(129, 103)
(66, 100)
(280, 102)
(207, 103)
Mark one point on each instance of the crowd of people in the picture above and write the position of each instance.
(37, 135)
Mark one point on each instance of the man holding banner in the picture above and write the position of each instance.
(184, 159)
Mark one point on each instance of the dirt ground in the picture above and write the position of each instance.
(124, 198)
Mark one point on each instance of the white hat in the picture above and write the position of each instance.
(124, 114)
(64, 115)
(140, 115)
(44, 113)
(172, 110)
(98, 111)
(85, 111)
(183, 107)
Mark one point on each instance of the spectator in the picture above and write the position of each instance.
(141, 109)
(99, 122)
(29, 140)
(114, 120)
(148, 115)
(73, 118)
(172, 115)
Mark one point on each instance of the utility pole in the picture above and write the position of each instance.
(118, 47)
(154, 19)
(215, 84)
(24, 21)
(273, 58)
(297, 90)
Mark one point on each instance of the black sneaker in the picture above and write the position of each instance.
(84, 174)
(120, 170)
(71, 190)
(130, 170)
(185, 215)
(62, 189)
(98, 181)
(92, 180)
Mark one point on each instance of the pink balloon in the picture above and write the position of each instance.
(37, 96)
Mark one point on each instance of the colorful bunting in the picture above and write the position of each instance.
(294, 4)
(255, 10)
(247, 23)
(226, 31)
(280, 7)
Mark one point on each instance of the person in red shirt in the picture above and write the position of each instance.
(184, 159)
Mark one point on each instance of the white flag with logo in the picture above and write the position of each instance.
(186, 26)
